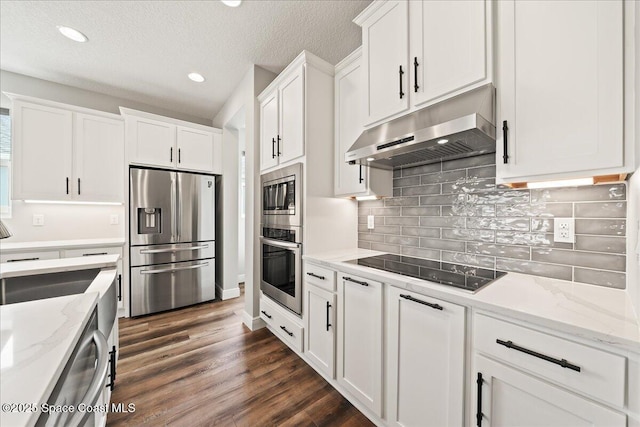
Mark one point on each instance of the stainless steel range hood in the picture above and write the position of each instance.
(466, 122)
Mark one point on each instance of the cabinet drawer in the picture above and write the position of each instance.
(29, 256)
(287, 329)
(593, 372)
(72, 253)
(320, 276)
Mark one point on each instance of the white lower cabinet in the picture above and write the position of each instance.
(425, 362)
(320, 308)
(360, 339)
(509, 397)
(282, 323)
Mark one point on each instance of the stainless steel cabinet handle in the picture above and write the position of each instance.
(99, 377)
(169, 270)
(162, 251)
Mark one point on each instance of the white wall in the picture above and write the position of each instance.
(241, 218)
(244, 98)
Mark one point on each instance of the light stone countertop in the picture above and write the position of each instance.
(587, 311)
(37, 339)
(31, 268)
(8, 246)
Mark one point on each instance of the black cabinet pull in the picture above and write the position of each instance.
(410, 298)
(349, 279)
(285, 329)
(360, 178)
(67, 185)
(171, 154)
(266, 314)
(505, 130)
(95, 253)
(273, 148)
(479, 382)
(561, 362)
(415, 74)
(23, 259)
(179, 157)
(112, 368)
(278, 145)
(316, 276)
(78, 186)
(400, 73)
(119, 287)
(328, 307)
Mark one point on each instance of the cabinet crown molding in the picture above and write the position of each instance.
(370, 10)
(349, 59)
(143, 114)
(70, 107)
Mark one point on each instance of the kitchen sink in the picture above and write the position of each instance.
(29, 288)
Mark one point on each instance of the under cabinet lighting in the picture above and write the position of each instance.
(231, 3)
(196, 77)
(443, 141)
(65, 202)
(72, 33)
(362, 198)
(561, 183)
(370, 159)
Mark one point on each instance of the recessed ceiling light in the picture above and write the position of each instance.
(443, 141)
(370, 159)
(196, 77)
(72, 34)
(231, 3)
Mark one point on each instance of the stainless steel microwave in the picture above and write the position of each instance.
(281, 197)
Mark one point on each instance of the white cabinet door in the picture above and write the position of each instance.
(360, 349)
(195, 149)
(320, 324)
(98, 159)
(448, 42)
(269, 131)
(426, 361)
(152, 142)
(385, 44)
(42, 144)
(561, 87)
(290, 139)
(509, 397)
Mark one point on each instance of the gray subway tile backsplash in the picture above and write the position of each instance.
(453, 212)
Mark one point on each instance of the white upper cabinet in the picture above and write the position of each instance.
(448, 50)
(169, 143)
(66, 153)
(562, 84)
(98, 160)
(416, 53)
(282, 112)
(354, 180)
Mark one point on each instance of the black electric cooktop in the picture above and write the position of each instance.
(460, 276)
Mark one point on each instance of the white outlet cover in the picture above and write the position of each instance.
(370, 225)
(38, 220)
(564, 230)
(114, 219)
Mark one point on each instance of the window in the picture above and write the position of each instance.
(5, 163)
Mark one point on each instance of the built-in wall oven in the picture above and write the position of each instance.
(281, 237)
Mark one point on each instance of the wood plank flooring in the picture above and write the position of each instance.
(200, 366)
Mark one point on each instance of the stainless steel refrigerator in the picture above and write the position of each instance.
(172, 239)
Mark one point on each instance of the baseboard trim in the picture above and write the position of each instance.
(253, 323)
(225, 294)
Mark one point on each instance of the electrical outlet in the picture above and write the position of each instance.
(370, 222)
(114, 219)
(38, 220)
(564, 230)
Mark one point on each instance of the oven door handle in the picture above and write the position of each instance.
(279, 243)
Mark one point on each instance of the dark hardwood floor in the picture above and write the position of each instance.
(200, 366)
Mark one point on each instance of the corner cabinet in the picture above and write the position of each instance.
(66, 153)
(360, 339)
(354, 180)
(169, 143)
(286, 107)
(565, 115)
(412, 58)
(426, 360)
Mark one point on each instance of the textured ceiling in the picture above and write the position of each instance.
(143, 50)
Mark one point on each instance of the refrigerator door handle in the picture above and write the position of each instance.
(169, 270)
(179, 208)
(174, 190)
(162, 251)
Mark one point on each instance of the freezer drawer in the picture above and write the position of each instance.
(164, 254)
(163, 287)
